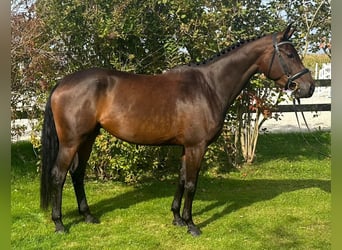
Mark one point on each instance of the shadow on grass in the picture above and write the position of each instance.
(294, 146)
(233, 194)
(23, 160)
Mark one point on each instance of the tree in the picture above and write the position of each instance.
(33, 63)
(312, 18)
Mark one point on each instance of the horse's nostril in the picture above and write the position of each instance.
(292, 86)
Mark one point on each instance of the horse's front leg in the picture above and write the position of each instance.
(193, 158)
(78, 182)
(177, 201)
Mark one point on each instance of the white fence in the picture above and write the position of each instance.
(324, 72)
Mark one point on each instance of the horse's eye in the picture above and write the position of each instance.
(290, 55)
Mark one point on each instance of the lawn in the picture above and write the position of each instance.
(282, 201)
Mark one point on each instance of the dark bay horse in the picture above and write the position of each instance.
(185, 106)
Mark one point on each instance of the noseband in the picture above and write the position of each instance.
(291, 84)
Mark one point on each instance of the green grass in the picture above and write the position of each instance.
(282, 201)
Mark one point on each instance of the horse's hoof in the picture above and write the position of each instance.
(179, 222)
(60, 231)
(59, 228)
(91, 219)
(194, 231)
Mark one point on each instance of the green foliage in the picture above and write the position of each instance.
(118, 160)
(114, 159)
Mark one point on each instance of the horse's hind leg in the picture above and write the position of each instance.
(77, 175)
(58, 175)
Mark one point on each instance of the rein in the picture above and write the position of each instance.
(294, 107)
(291, 84)
(307, 126)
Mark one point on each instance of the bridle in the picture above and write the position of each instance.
(291, 84)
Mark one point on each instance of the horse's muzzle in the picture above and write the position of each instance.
(302, 90)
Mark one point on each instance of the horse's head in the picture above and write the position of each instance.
(282, 64)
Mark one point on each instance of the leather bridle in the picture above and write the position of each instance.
(291, 84)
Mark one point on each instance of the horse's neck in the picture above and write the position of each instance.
(230, 73)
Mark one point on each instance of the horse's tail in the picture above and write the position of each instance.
(50, 147)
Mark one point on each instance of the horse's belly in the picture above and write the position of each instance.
(145, 132)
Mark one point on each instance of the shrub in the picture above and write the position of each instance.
(115, 159)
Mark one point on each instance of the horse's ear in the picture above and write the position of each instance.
(288, 32)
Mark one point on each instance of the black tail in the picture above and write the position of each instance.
(50, 144)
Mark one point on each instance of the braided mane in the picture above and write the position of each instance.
(225, 51)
